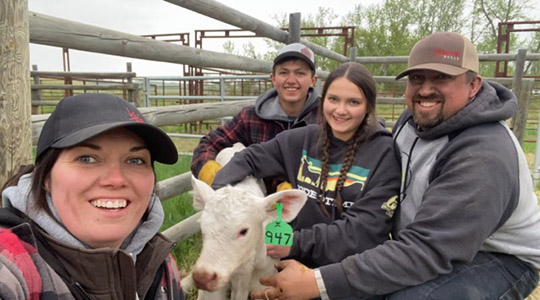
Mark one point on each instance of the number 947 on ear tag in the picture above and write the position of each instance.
(278, 232)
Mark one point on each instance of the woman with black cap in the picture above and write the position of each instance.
(83, 221)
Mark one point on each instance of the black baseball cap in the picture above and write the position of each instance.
(80, 117)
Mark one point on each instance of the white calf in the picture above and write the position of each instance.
(233, 222)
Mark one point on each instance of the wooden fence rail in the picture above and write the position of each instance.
(84, 75)
(47, 81)
(233, 17)
(169, 115)
(93, 87)
(45, 30)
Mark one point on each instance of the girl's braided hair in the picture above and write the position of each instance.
(360, 76)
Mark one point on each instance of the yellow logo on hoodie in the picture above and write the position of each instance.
(310, 173)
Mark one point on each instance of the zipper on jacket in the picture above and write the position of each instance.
(83, 292)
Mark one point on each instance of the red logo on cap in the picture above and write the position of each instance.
(306, 52)
(446, 54)
(134, 116)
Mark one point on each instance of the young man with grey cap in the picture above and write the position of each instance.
(469, 224)
(290, 104)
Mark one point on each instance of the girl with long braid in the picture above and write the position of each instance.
(346, 165)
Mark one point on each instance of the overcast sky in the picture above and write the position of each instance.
(142, 17)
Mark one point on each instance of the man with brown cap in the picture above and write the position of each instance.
(469, 224)
(291, 103)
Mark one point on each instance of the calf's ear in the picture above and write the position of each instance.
(293, 200)
(201, 192)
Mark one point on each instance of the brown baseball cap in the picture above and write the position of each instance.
(446, 52)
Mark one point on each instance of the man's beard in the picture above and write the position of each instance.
(427, 120)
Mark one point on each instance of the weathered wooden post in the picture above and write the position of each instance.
(294, 28)
(36, 93)
(524, 102)
(15, 106)
(130, 81)
(352, 54)
(519, 121)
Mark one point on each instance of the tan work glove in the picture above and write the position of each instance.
(209, 171)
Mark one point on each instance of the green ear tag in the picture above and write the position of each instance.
(278, 232)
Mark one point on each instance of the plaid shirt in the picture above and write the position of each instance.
(246, 128)
(33, 278)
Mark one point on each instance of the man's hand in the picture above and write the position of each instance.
(277, 251)
(293, 282)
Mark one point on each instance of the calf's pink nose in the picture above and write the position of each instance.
(205, 280)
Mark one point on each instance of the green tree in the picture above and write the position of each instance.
(249, 51)
(229, 48)
(487, 14)
(392, 28)
(436, 16)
